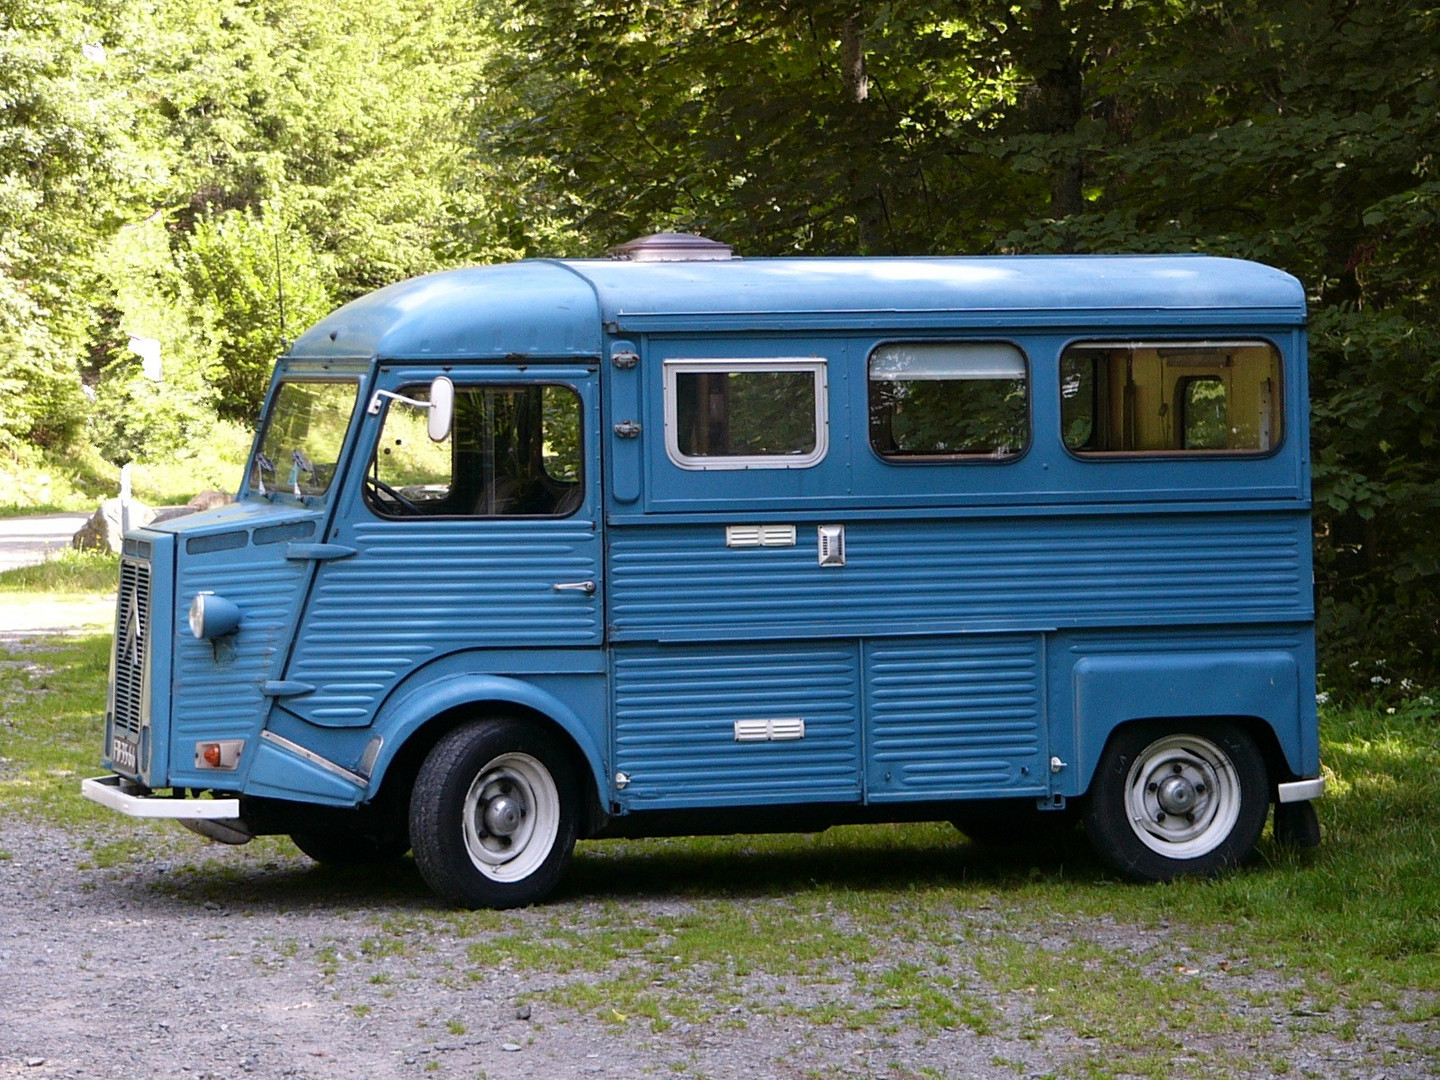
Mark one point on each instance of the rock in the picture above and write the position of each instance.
(510, 1048)
(102, 532)
(522, 1013)
(209, 499)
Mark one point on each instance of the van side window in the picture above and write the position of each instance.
(948, 399)
(512, 451)
(1170, 397)
(746, 414)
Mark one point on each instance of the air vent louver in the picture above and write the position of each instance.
(672, 247)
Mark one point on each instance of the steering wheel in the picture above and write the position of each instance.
(391, 495)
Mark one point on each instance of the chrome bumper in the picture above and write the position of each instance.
(109, 791)
(1300, 790)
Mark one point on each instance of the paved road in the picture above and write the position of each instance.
(25, 540)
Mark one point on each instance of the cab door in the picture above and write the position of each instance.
(487, 542)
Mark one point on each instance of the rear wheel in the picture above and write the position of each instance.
(1177, 799)
(493, 814)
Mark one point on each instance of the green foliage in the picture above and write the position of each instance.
(251, 276)
(62, 125)
(144, 155)
(1065, 125)
(65, 571)
(138, 414)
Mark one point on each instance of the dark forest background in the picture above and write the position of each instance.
(165, 165)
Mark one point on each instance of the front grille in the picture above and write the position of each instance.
(131, 627)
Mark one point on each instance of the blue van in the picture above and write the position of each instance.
(678, 542)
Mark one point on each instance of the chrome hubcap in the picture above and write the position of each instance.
(1176, 795)
(502, 816)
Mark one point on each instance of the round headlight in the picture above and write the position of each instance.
(213, 616)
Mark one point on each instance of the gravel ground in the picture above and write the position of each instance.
(147, 952)
(156, 955)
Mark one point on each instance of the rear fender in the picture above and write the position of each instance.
(1114, 690)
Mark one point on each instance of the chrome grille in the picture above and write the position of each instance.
(132, 624)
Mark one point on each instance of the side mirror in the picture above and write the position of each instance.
(442, 408)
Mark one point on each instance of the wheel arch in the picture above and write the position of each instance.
(411, 725)
(1258, 691)
(1259, 729)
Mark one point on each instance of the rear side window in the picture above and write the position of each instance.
(1171, 397)
(746, 414)
(948, 399)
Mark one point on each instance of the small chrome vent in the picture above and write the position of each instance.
(672, 247)
(784, 730)
(759, 536)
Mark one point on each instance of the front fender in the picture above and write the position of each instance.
(409, 710)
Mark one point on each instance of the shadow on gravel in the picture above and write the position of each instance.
(671, 869)
(675, 873)
(282, 886)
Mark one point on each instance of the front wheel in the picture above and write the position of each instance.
(493, 814)
(1176, 799)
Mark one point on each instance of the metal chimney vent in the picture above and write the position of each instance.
(673, 247)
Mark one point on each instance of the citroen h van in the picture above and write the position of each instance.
(681, 542)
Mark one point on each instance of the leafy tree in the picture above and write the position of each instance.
(63, 157)
(160, 413)
(343, 112)
(1288, 140)
(252, 278)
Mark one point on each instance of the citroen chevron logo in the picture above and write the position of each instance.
(132, 637)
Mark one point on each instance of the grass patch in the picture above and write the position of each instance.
(52, 707)
(68, 573)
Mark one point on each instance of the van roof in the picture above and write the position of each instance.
(561, 308)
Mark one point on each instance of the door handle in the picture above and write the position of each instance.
(587, 587)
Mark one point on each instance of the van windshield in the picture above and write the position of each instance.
(303, 433)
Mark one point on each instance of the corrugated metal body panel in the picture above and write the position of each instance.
(419, 589)
(964, 574)
(676, 713)
(217, 685)
(954, 717)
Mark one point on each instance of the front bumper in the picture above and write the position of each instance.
(111, 791)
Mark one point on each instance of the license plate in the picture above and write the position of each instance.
(122, 754)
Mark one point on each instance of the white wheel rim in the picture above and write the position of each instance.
(520, 790)
(1182, 796)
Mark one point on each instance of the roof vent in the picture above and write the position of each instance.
(673, 247)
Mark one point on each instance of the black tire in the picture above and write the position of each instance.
(351, 849)
(493, 814)
(1177, 798)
